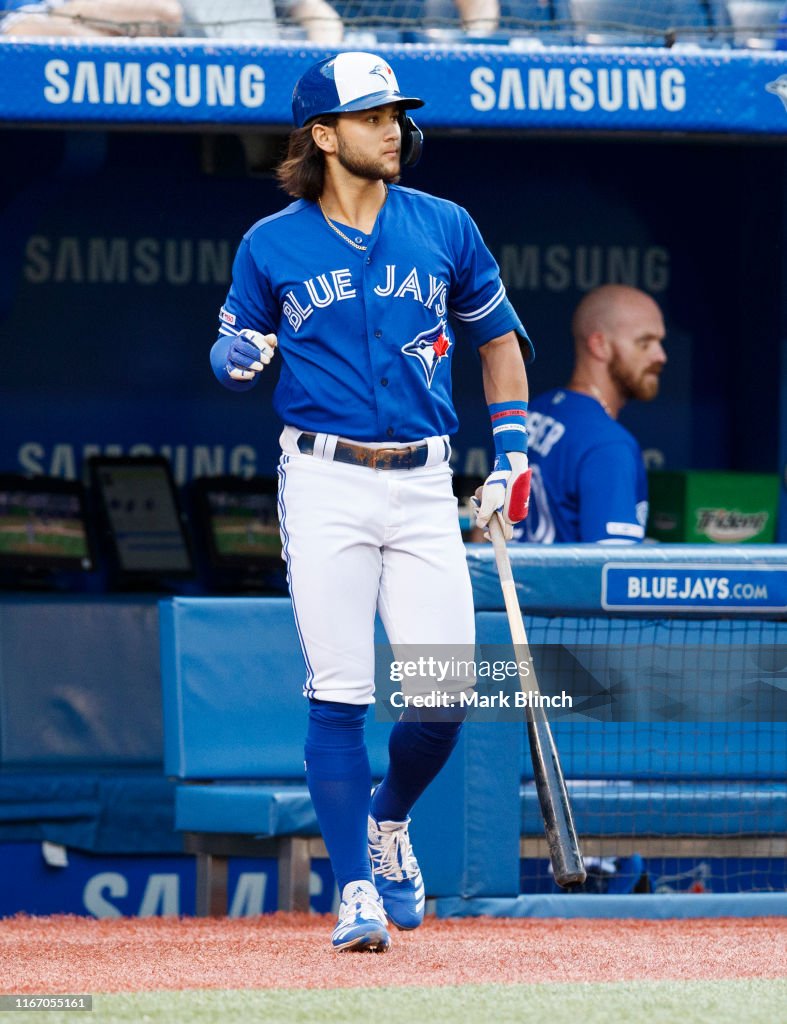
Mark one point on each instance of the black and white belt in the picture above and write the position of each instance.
(409, 457)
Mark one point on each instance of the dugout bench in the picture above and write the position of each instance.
(234, 726)
(234, 721)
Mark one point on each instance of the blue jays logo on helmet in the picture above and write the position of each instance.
(429, 347)
(346, 82)
(779, 88)
(384, 72)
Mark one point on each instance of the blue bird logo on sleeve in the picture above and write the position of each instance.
(429, 348)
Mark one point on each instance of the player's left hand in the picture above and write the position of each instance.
(505, 490)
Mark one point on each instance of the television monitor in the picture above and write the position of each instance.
(141, 519)
(237, 522)
(43, 526)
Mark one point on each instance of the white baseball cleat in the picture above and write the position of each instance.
(362, 925)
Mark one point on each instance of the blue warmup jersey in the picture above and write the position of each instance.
(589, 481)
(366, 338)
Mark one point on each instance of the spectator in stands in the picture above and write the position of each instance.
(479, 17)
(589, 482)
(256, 20)
(226, 19)
(90, 18)
(321, 22)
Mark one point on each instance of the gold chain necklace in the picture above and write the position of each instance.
(594, 392)
(338, 230)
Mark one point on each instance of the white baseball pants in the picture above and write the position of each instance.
(361, 540)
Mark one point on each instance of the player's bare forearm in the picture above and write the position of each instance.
(503, 370)
(479, 17)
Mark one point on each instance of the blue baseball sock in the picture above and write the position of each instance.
(417, 751)
(339, 780)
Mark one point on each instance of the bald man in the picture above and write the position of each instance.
(589, 482)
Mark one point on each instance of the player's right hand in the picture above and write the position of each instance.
(249, 354)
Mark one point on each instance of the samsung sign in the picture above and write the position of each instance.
(579, 88)
(157, 84)
(628, 587)
(183, 81)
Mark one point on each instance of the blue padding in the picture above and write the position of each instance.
(253, 809)
(655, 906)
(586, 578)
(115, 811)
(232, 681)
(31, 795)
(466, 825)
(666, 809)
(724, 91)
(79, 682)
(669, 751)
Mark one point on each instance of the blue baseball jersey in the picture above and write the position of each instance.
(366, 335)
(589, 481)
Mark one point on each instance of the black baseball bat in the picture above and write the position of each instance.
(562, 839)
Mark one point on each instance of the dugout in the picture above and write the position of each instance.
(132, 170)
(123, 201)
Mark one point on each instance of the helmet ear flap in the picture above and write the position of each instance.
(412, 142)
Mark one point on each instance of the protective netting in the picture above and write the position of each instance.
(751, 23)
(738, 23)
(675, 753)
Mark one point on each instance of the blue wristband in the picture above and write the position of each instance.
(509, 426)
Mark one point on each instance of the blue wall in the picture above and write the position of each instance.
(116, 251)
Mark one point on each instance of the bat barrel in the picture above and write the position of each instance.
(561, 835)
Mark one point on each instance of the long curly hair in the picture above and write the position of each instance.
(302, 172)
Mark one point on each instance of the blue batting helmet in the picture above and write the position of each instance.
(346, 82)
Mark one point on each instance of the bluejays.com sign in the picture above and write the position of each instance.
(678, 587)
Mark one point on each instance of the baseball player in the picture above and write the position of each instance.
(589, 481)
(358, 286)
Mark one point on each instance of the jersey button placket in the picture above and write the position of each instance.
(377, 352)
(384, 384)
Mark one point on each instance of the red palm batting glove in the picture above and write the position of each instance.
(505, 490)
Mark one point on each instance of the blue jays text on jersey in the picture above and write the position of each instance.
(365, 323)
(589, 482)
